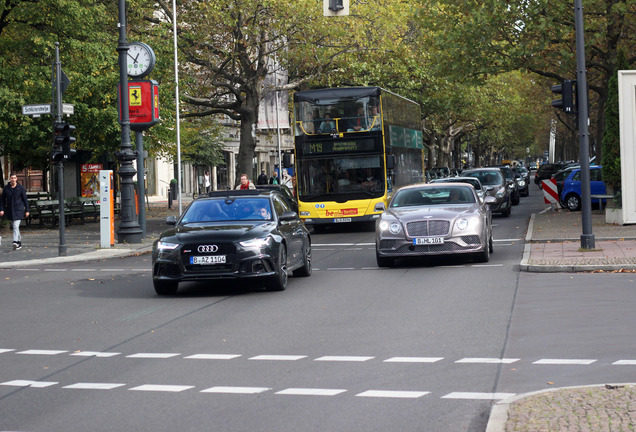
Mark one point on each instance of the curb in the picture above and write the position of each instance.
(499, 412)
(96, 255)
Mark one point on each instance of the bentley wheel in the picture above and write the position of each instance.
(279, 281)
(384, 261)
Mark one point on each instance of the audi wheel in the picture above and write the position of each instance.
(279, 281)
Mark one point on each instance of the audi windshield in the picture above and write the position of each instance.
(228, 209)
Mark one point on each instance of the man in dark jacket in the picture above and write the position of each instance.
(14, 203)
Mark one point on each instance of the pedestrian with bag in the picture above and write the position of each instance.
(14, 203)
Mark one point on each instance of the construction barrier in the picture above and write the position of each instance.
(550, 191)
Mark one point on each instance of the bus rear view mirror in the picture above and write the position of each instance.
(390, 162)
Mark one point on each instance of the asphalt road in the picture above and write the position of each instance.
(427, 345)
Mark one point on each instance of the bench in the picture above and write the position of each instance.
(90, 207)
(45, 210)
(73, 208)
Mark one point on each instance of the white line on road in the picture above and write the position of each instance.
(153, 355)
(213, 356)
(311, 392)
(564, 362)
(41, 352)
(94, 386)
(393, 394)
(95, 354)
(476, 395)
(236, 390)
(487, 360)
(413, 359)
(278, 357)
(161, 388)
(625, 362)
(6, 350)
(343, 358)
(27, 383)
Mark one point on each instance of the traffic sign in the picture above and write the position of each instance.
(68, 109)
(36, 110)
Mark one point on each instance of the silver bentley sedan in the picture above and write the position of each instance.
(434, 219)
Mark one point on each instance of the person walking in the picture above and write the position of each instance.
(14, 203)
(274, 178)
(262, 178)
(206, 181)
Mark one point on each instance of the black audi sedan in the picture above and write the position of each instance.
(235, 234)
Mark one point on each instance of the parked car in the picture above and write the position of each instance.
(434, 219)
(474, 181)
(234, 234)
(495, 183)
(545, 171)
(524, 179)
(571, 194)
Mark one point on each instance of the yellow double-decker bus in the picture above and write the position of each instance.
(353, 145)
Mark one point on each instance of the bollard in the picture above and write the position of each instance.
(170, 198)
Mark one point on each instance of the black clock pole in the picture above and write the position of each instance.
(129, 230)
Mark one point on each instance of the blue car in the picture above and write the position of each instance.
(571, 194)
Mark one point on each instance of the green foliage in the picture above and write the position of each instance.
(611, 138)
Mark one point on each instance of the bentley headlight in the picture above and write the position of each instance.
(522, 183)
(461, 224)
(393, 227)
(162, 246)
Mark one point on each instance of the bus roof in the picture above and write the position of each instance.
(342, 92)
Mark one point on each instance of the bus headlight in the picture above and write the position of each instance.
(305, 213)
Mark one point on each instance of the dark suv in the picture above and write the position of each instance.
(545, 171)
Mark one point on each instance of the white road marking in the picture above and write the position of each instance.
(625, 362)
(27, 383)
(153, 355)
(94, 386)
(41, 352)
(343, 358)
(278, 357)
(55, 270)
(487, 265)
(311, 392)
(213, 356)
(507, 240)
(342, 244)
(564, 362)
(112, 270)
(393, 394)
(475, 395)
(413, 359)
(161, 388)
(26, 269)
(340, 268)
(95, 354)
(236, 390)
(6, 350)
(487, 360)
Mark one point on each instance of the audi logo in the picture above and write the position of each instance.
(208, 248)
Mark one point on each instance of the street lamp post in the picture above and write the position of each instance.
(129, 230)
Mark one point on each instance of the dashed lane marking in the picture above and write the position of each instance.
(41, 352)
(95, 354)
(278, 357)
(487, 360)
(153, 355)
(213, 356)
(564, 362)
(94, 386)
(343, 358)
(625, 362)
(476, 395)
(27, 383)
(413, 359)
(236, 390)
(161, 388)
(310, 392)
(393, 394)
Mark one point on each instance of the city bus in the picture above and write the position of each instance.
(353, 145)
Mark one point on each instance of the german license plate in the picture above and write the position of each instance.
(212, 259)
(428, 240)
(338, 220)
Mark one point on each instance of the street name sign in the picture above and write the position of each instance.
(36, 110)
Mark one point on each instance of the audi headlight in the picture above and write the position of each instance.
(393, 227)
(500, 193)
(257, 243)
(167, 246)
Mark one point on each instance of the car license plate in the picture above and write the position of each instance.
(428, 240)
(338, 220)
(213, 259)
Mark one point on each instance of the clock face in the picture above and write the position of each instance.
(141, 59)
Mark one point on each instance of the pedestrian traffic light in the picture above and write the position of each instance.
(62, 141)
(565, 89)
(335, 7)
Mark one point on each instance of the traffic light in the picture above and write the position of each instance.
(565, 89)
(63, 138)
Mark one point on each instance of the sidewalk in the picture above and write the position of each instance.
(553, 244)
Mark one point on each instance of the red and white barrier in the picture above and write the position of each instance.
(550, 192)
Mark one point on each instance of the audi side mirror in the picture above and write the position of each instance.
(171, 220)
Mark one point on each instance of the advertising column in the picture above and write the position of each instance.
(106, 209)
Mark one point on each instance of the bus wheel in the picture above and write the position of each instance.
(319, 228)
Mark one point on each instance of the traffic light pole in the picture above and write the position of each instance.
(62, 250)
(129, 230)
(587, 238)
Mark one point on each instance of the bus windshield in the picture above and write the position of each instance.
(340, 178)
